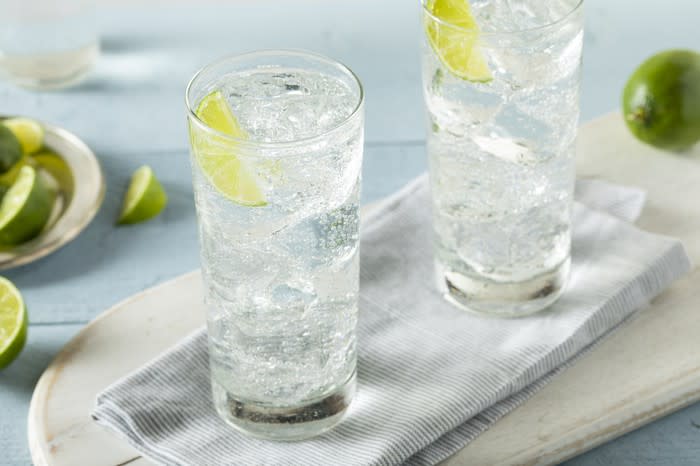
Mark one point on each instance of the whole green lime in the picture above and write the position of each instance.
(661, 101)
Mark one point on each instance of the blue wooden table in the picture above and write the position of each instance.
(131, 112)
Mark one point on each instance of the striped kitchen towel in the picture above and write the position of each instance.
(431, 377)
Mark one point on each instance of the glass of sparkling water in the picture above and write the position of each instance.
(276, 153)
(501, 85)
(47, 44)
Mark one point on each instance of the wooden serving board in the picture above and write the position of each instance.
(647, 369)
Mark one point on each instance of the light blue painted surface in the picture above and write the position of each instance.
(16, 385)
(131, 112)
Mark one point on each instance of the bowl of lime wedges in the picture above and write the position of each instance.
(42, 206)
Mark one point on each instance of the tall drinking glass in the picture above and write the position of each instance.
(46, 44)
(501, 86)
(276, 153)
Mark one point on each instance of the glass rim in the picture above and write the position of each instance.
(562, 19)
(271, 53)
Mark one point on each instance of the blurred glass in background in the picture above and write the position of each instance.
(47, 44)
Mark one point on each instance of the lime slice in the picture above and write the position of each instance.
(25, 208)
(456, 41)
(13, 322)
(144, 199)
(29, 132)
(227, 172)
(10, 149)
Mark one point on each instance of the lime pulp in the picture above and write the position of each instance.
(221, 165)
(25, 208)
(145, 198)
(455, 39)
(13, 322)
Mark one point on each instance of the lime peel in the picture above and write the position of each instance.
(144, 199)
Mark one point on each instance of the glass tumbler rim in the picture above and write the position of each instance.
(307, 140)
(551, 24)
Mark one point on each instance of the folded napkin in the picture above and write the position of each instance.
(431, 377)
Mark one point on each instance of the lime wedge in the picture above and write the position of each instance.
(56, 167)
(144, 199)
(13, 322)
(456, 41)
(29, 132)
(227, 172)
(10, 149)
(8, 178)
(25, 208)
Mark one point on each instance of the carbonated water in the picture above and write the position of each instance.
(282, 279)
(502, 157)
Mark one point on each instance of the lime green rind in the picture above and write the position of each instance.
(25, 208)
(145, 198)
(661, 100)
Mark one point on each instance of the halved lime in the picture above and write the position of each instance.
(25, 208)
(10, 149)
(222, 167)
(13, 322)
(29, 132)
(144, 199)
(456, 41)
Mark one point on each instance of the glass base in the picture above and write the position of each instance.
(52, 70)
(503, 299)
(286, 423)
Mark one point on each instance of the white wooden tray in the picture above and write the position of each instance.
(646, 370)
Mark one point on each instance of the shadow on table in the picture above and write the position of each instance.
(20, 377)
(107, 263)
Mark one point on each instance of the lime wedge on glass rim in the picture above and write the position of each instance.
(26, 207)
(221, 165)
(13, 322)
(145, 198)
(455, 39)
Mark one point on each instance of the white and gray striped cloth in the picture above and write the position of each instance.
(431, 377)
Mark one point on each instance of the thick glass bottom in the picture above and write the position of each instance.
(286, 423)
(503, 299)
(51, 70)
